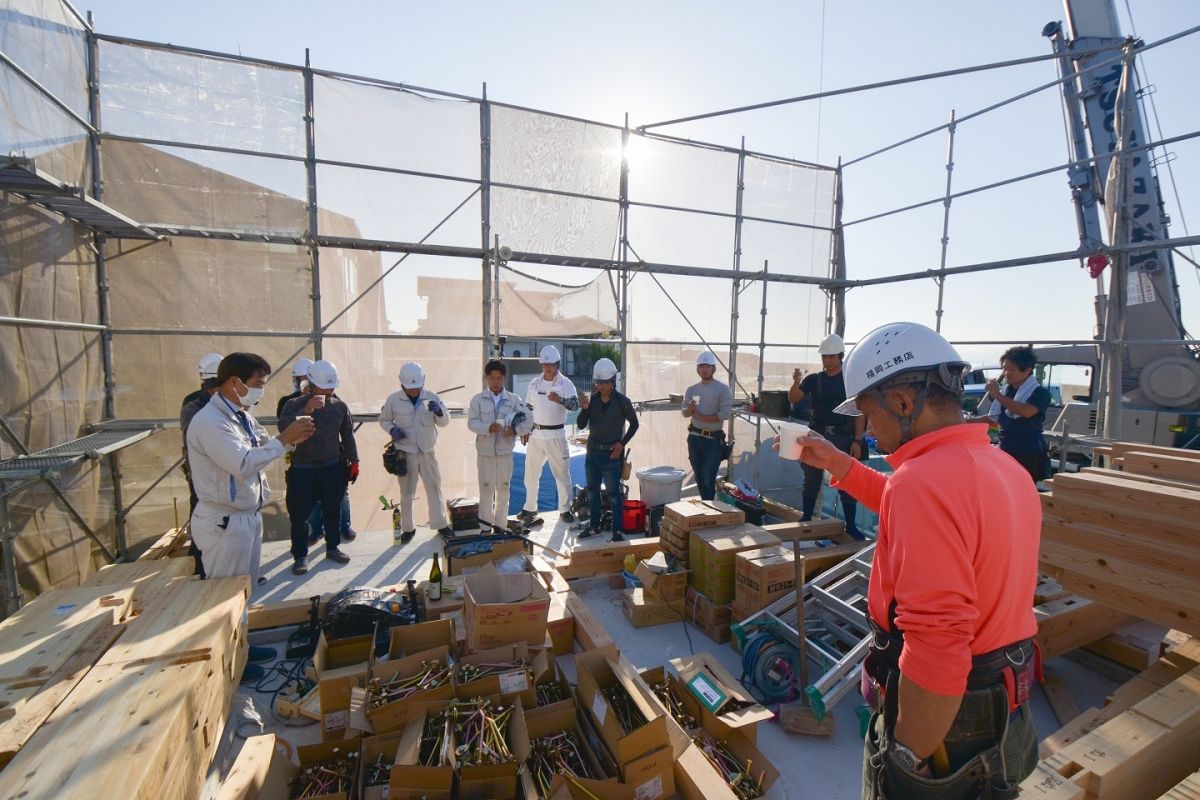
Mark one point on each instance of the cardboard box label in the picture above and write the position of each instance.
(707, 691)
(513, 682)
(599, 708)
(650, 790)
(336, 719)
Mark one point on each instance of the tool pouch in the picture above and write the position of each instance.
(981, 778)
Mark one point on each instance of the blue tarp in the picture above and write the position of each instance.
(547, 491)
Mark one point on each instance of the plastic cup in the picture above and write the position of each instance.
(790, 434)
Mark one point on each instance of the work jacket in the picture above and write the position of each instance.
(227, 465)
(483, 412)
(418, 423)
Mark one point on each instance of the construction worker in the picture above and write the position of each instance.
(411, 417)
(551, 395)
(322, 466)
(953, 660)
(827, 390)
(494, 416)
(229, 451)
(707, 405)
(1019, 408)
(299, 378)
(605, 414)
(192, 403)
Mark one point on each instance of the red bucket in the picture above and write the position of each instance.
(634, 518)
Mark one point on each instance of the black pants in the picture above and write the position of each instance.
(813, 477)
(305, 487)
(1034, 463)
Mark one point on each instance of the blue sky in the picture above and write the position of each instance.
(661, 60)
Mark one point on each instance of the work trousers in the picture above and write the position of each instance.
(307, 486)
(230, 541)
(495, 478)
(1034, 463)
(815, 476)
(538, 452)
(599, 467)
(704, 454)
(316, 520)
(425, 467)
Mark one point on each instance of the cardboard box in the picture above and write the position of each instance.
(709, 784)
(409, 779)
(681, 735)
(514, 683)
(554, 676)
(762, 576)
(714, 620)
(643, 612)
(393, 716)
(664, 586)
(468, 565)
(340, 666)
(560, 625)
(712, 554)
(739, 710)
(692, 514)
(652, 776)
(547, 722)
(505, 608)
(404, 640)
(564, 788)
(493, 781)
(598, 670)
(313, 754)
(379, 750)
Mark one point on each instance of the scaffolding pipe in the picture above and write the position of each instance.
(29, 322)
(941, 278)
(837, 267)
(762, 354)
(485, 223)
(310, 169)
(738, 205)
(42, 90)
(623, 253)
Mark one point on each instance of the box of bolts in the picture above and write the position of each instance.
(463, 513)
(720, 693)
(395, 688)
(509, 671)
(423, 764)
(682, 725)
(377, 759)
(564, 787)
(482, 732)
(328, 771)
(553, 692)
(556, 746)
(341, 666)
(505, 608)
(632, 726)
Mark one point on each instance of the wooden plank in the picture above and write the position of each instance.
(140, 573)
(1047, 589)
(163, 546)
(1127, 647)
(20, 718)
(585, 563)
(1172, 468)
(588, 631)
(1132, 494)
(1058, 695)
(1171, 560)
(1136, 477)
(1187, 789)
(261, 772)
(812, 530)
(1072, 621)
(1119, 449)
(1144, 522)
(284, 612)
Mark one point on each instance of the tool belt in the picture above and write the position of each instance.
(600, 445)
(705, 432)
(548, 427)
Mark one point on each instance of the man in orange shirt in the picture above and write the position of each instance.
(951, 590)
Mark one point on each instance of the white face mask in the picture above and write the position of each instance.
(252, 396)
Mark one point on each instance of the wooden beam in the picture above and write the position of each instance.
(1072, 621)
(1127, 647)
(1136, 477)
(1058, 695)
(1172, 468)
(284, 612)
(1119, 449)
(589, 632)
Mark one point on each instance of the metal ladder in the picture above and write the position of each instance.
(836, 628)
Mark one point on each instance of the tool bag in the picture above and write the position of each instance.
(395, 460)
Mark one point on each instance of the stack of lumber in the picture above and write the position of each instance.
(120, 688)
(172, 544)
(1128, 540)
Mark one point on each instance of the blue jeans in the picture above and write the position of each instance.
(316, 521)
(599, 466)
(704, 453)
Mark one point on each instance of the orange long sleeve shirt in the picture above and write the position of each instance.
(959, 528)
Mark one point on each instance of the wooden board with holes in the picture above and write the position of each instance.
(1072, 621)
(140, 573)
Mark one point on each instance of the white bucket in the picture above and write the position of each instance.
(789, 444)
(660, 485)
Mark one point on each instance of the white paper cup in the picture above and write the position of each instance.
(790, 434)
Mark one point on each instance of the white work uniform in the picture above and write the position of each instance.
(548, 445)
(493, 452)
(419, 426)
(228, 451)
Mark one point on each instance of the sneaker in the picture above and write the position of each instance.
(300, 566)
(258, 654)
(616, 537)
(253, 673)
(446, 532)
(567, 516)
(407, 536)
(536, 522)
(337, 555)
(589, 533)
(527, 516)
(349, 535)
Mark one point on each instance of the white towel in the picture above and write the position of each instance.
(1024, 391)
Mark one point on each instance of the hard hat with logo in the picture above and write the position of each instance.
(520, 419)
(549, 355)
(831, 345)
(905, 350)
(412, 376)
(300, 368)
(208, 365)
(706, 357)
(604, 370)
(323, 375)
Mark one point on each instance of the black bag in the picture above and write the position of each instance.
(395, 460)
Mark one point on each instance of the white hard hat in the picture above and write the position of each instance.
(520, 419)
(208, 365)
(300, 368)
(549, 355)
(831, 345)
(412, 376)
(706, 357)
(893, 350)
(604, 370)
(323, 375)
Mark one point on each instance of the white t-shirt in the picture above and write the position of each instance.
(545, 410)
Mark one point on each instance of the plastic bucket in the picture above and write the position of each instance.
(660, 485)
(634, 518)
(789, 435)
